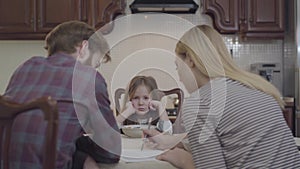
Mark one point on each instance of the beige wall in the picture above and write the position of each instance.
(13, 53)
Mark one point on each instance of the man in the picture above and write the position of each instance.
(74, 51)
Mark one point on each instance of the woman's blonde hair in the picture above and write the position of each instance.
(205, 46)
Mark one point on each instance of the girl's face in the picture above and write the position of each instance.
(141, 100)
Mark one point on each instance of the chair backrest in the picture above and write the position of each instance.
(161, 93)
(82, 111)
(289, 114)
(118, 94)
(9, 110)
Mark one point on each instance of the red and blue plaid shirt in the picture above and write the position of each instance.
(54, 76)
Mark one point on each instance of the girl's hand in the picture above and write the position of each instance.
(178, 157)
(129, 109)
(158, 106)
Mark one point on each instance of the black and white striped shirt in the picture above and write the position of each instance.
(232, 126)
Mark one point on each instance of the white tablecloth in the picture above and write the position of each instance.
(134, 144)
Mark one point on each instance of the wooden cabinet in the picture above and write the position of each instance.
(33, 19)
(52, 12)
(250, 18)
(106, 11)
(225, 14)
(16, 16)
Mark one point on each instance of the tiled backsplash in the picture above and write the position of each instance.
(266, 51)
(246, 53)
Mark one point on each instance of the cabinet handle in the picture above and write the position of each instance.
(31, 22)
(251, 20)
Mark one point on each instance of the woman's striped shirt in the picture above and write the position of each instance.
(230, 125)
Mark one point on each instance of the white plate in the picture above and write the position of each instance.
(136, 155)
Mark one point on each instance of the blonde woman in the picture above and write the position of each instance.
(233, 118)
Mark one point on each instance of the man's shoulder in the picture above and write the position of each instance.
(34, 60)
(37, 58)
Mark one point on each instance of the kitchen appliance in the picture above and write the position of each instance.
(271, 72)
(165, 6)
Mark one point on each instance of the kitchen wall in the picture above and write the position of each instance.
(243, 52)
(13, 53)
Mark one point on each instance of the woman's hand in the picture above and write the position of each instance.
(178, 157)
(160, 141)
(90, 163)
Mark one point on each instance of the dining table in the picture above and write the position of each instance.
(134, 144)
(133, 157)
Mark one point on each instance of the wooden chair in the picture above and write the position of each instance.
(161, 93)
(289, 113)
(118, 93)
(9, 110)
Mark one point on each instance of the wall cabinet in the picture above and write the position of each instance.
(104, 11)
(250, 18)
(33, 19)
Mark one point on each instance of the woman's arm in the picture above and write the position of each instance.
(161, 141)
(164, 124)
(178, 157)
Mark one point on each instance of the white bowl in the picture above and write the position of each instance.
(135, 131)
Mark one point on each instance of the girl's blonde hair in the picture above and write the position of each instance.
(206, 48)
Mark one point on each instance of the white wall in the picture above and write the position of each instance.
(146, 47)
(147, 54)
(13, 53)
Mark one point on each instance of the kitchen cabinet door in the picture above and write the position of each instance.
(225, 14)
(17, 16)
(53, 12)
(105, 11)
(249, 18)
(33, 19)
(265, 15)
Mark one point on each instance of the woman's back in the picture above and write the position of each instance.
(250, 133)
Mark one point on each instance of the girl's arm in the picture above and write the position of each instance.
(164, 124)
(129, 110)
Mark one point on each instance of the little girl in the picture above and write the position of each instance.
(140, 105)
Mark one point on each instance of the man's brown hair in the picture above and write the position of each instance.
(67, 36)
